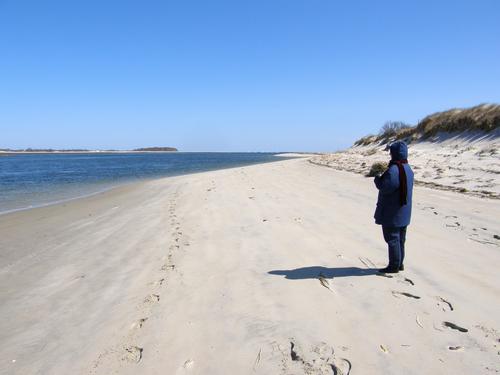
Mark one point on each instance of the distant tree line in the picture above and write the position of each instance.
(83, 150)
(156, 149)
(29, 149)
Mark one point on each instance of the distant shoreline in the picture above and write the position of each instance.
(85, 152)
(30, 150)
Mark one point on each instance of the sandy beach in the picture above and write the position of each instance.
(265, 269)
(466, 162)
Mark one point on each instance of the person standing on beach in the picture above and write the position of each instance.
(393, 211)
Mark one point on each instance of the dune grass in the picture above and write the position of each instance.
(484, 117)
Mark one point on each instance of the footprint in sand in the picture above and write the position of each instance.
(166, 267)
(133, 354)
(152, 298)
(158, 282)
(396, 293)
(138, 324)
(491, 334)
(319, 359)
(455, 224)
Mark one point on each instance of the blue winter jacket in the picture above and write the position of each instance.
(389, 210)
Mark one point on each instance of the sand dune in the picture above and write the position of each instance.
(267, 269)
(464, 162)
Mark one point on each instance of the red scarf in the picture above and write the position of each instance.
(403, 186)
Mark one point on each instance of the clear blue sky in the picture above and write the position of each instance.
(260, 75)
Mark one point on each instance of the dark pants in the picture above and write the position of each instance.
(395, 238)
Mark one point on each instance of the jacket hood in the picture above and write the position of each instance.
(399, 151)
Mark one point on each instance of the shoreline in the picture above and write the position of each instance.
(128, 182)
(172, 274)
(8, 153)
(91, 152)
(309, 156)
(62, 201)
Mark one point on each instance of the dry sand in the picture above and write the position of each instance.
(464, 162)
(266, 269)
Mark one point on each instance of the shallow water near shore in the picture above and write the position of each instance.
(32, 180)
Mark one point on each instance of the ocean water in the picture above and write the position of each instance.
(31, 180)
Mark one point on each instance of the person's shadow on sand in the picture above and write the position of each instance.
(328, 273)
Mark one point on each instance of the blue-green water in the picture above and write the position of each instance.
(30, 180)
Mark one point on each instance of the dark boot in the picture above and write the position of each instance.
(402, 267)
(388, 270)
